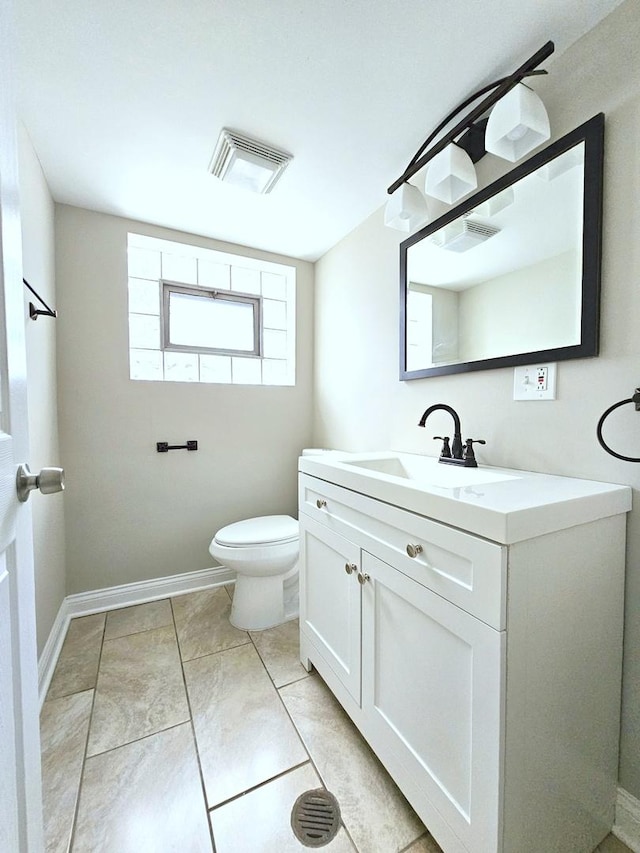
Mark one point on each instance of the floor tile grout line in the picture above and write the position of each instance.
(138, 739)
(259, 785)
(293, 681)
(193, 732)
(138, 633)
(66, 695)
(313, 763)
(263, 661)
(208, 654)
(426, 835)
(175, 625)
(249, 641)
(277, 691)
(74, 823)
(129, 657)
(130, 607)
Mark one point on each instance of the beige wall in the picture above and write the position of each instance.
(533, 308)
(360, 404)
(37, 213)
(132, 513)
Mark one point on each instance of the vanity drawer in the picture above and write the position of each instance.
(465, 569)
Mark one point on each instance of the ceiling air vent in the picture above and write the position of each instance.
(246, 162)
(462, 235)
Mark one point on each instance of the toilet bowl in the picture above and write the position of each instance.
(264, 554)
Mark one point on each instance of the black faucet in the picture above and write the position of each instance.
(454, 454)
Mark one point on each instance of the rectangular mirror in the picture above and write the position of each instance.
(512, 274)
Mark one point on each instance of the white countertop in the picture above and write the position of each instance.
(516, 505)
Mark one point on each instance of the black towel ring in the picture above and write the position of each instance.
(636, 401)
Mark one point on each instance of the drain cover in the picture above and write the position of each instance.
(315, 817)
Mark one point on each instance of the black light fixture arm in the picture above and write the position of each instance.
(34, 312)
(498, 89)
(467, 102)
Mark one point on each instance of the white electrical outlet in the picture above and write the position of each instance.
(535, 382)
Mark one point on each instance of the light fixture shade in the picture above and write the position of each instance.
(451, 175)
(559, 165)
(496, 203)
(406, 210)
(517, 124)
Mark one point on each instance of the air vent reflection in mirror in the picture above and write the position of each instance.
(463, 235)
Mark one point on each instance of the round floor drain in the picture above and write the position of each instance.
(315, 818)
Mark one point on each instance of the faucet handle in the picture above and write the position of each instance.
(468, 447)
(446, 450)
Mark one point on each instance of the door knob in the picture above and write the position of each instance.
(49, 480)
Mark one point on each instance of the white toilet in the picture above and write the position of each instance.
(264, 554)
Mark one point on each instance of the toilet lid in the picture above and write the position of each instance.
(259, 531)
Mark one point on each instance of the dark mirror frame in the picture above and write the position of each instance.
(592, 134)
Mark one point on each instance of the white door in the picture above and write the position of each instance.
(20, 789)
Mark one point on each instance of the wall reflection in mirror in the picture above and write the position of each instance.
(512, 275)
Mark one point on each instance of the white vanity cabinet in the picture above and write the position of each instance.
(485, 675)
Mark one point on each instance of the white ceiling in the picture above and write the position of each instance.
(124, 100)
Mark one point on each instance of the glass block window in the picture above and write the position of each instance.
(199, 315)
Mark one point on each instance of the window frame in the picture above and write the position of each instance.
(169, 287)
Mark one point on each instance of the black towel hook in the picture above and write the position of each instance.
(34, 312)
(636, 401)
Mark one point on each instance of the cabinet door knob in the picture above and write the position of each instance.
(362, 579)
(321, 503)
(414, 550)
(350, 568)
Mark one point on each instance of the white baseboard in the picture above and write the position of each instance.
(627, 825)
(51, 652)
(126, 595)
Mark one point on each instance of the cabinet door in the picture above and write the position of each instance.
(330, 600)
(431, 692)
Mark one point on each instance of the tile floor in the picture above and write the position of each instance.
(166, 729)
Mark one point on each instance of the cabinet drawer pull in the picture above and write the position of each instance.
(321, 503)
(362, 579)
(350, 568)
(414, 550)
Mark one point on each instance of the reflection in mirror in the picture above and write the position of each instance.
(504, 278)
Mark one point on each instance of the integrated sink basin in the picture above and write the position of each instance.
(426, 471)
(502, 504)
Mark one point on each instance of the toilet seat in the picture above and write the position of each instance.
(264, 530)
(263, 553)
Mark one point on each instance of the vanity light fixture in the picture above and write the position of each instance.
(520, 124)
(246, 162)
(450, 175)
(406, 210)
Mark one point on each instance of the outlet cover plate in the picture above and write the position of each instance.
(535, 382)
